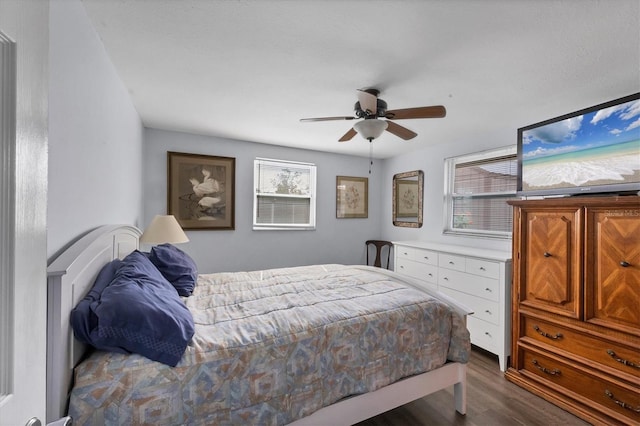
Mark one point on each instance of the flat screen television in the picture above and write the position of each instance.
(591, 151)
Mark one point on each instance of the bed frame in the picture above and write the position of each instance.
(72, 275)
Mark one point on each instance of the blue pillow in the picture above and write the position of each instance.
(139, 311)
(176, 266)
(83, 320)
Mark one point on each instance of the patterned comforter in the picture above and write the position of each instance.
(276, 345)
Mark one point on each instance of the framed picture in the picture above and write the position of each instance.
(352, 197)
(201, 190)
(407, 198)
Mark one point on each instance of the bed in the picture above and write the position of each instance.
(313, 371)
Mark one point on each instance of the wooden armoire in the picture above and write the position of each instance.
(576, 304)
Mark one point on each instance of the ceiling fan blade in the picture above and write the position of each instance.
(368, 101)
(399, 131)
(348, 136)
(327, 118)
(436, 111)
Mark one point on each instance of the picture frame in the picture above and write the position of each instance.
(408, 198)
(352, 197)
(201, 190)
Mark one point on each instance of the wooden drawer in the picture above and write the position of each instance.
(471, 284)
(483, 309)
(610, 397)
(484, 268)
(421, 271)
(451, 261)
(616, 358)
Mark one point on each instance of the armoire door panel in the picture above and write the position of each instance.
(552, 248)
(613, 268)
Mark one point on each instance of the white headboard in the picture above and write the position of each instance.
(69, 279)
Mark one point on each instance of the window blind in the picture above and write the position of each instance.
(496, 175)
(282, 210)
(481, 189)
(284, 195)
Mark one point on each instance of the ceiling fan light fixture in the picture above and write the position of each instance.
(370, 108)
(370, 129)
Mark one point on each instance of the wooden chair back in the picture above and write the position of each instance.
(380, 248)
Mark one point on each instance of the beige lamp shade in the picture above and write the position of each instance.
(164, 229)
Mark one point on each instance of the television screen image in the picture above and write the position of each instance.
(593, 150)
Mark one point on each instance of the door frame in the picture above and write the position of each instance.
(23, 217)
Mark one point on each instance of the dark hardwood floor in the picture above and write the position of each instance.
(491, 401)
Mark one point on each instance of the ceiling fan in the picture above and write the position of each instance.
(372, 109)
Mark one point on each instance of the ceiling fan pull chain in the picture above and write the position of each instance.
(370, 154)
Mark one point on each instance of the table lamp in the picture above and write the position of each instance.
(163, 229)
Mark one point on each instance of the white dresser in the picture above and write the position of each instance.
(478, 278)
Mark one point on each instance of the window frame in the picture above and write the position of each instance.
(450, 163)
(311, 224)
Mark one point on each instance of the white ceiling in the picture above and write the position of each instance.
(250, 69)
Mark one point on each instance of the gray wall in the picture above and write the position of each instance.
(431, 162)
(95, 133)
(333, 241)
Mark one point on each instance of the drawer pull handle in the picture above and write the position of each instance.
(554, 372)
(486, 333)
(401, 267)
(547, 335)
(488, 289)
(430, 274)
(451, 262)
(482, 268)
(445, 278)
(624, 264)
(622, 403)
(426, 257)
(486, 311)
(546, 254)
(613, 355)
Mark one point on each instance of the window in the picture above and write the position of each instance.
(477, 187)
(285, 195)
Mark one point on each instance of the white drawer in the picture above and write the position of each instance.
(405, 252)
(421, 271)
(404, 266)
(426, 256)
(484, 334)
(450, 261)
(486, 288)
(482, 308)
(484, 268)
(428, 273)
